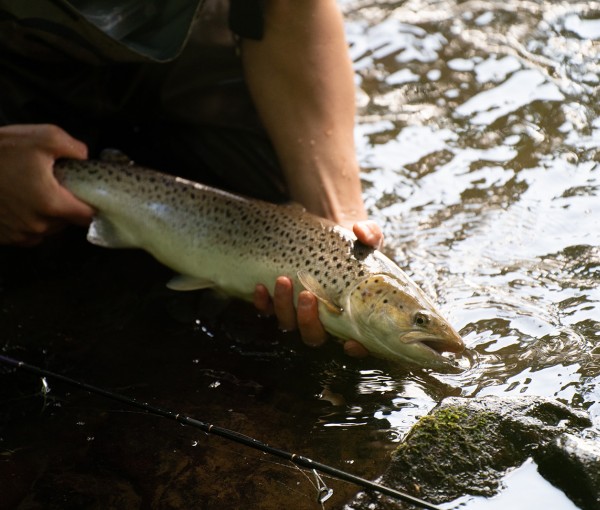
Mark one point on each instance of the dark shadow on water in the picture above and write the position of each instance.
(105, 317)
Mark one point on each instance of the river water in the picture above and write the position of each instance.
(479, 133)
(479, 136)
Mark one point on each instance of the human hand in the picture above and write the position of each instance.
(32, 202)
(305, 317)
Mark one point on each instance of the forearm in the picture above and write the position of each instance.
(301, 79)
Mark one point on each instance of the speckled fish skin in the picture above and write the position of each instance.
(224, 241)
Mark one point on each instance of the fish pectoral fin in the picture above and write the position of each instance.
(312, 285)
(184, 282)
(102, 232)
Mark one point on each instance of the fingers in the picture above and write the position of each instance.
(262, 301)
(312, 331)
(283, 303)
(305, 317)
(355, 349)
(59, 143)
(71, 209)
(368, 232)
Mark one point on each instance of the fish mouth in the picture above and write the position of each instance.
(441, 346)
(436, 344)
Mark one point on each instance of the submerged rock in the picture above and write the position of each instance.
(465, 446)
(573, 464)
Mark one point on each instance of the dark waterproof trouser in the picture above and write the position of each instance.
(192, 116)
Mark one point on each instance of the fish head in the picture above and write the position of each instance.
(395, 320)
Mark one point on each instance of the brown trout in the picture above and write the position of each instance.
(219, 240)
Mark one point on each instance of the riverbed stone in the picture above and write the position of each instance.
(573, 464)
(466, 445)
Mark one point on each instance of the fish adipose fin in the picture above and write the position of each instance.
(184, 282)
(104, 233)
(312, 285)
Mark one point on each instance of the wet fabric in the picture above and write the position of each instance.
(183, 108)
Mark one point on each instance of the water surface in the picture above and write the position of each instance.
(479, 136)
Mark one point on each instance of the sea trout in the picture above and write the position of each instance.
(215, 239)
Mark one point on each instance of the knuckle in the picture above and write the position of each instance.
(51, 208)
(38, 228)
(51, 135)
(50, 131)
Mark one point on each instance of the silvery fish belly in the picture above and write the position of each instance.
(214, 239)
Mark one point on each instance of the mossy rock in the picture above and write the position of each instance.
(465, 446)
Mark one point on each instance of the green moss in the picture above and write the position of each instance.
(447, 445)
(448, 426)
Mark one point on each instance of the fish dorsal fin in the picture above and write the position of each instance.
(184, 282)
(295, 206)
(102, 232)
(115, 156)
(311, 284)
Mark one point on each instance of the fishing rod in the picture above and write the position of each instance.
(231, 435)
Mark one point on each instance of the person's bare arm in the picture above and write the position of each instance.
(32, 202)
(301, 80)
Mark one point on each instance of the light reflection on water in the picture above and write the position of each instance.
(525, 488)
(479, 135)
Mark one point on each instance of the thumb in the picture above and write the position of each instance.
(61, 144)
(71, 209)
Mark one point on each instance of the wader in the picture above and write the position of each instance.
(159, 81)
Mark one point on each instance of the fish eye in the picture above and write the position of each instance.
(421, 319)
